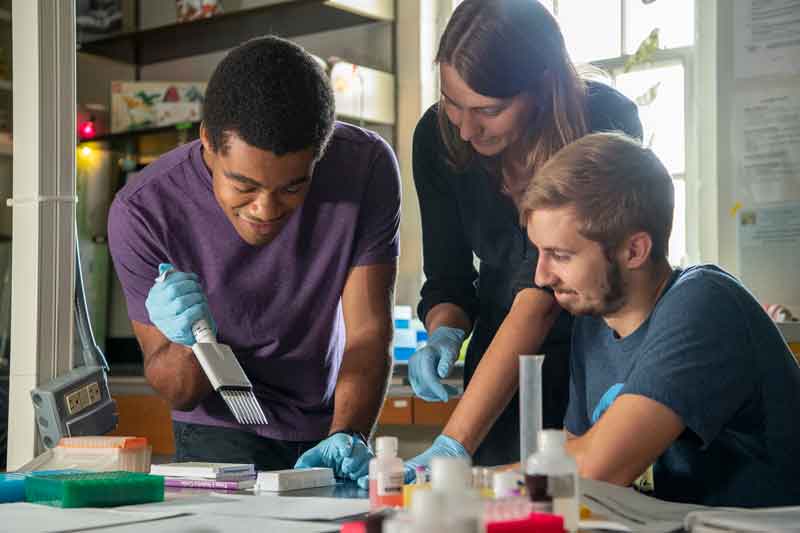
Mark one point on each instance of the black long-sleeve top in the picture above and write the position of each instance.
(465, 212)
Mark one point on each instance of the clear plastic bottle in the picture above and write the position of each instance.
(551, 477)
(386, 475)
(451, 478)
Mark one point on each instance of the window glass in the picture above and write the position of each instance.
(673, 18)
(659, 93)
(592, 29)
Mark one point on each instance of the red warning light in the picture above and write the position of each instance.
(87, 130)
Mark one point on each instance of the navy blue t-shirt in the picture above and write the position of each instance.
(709, 352)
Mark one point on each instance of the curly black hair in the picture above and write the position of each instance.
(273, 95)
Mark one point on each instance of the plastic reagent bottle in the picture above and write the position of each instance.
(385, 475)
(551, 477)
(451, 478)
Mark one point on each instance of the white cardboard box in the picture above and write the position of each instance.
(294, 479)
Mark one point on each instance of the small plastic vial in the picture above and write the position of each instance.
(385, 475)
(551, 477)
(421, 483)
(506, 484)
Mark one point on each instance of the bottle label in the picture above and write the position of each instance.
(390, 483)
(543, 489)
(561, 486)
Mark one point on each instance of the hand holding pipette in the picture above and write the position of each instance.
(175, 303)
(178, 307)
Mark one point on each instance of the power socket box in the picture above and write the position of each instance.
(75, 404)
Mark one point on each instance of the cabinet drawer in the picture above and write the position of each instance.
(397, 411)
(433, 413)
(146, 416)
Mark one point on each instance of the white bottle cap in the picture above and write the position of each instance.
(551, 439)
(506, 484)
(386, 446)
(450, 474)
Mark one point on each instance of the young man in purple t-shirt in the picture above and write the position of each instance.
(283, 228)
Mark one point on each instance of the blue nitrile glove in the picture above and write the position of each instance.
(443, 446)
(433, 362)
(176, 303)
(348, 456)
(605, 401)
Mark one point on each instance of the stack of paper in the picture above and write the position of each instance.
(773, 520)
(624, 509)
(32, 518)
(224, 476)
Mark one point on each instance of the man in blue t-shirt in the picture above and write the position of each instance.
(283, 228)
(679, 379)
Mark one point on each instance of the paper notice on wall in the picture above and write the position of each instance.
(769, 253)
(766, 126)
(766, 38)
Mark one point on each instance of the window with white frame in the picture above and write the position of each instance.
(607, 34)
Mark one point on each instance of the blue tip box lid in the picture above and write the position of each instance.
(12, 484)
(12, 487)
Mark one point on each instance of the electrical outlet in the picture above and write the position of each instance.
(80, 399)
(74, 401)
(93, 392)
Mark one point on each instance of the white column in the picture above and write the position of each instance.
(702, 187)
(43, 33)
(419, 24)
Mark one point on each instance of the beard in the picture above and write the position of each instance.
(611, 299)
(614, 296)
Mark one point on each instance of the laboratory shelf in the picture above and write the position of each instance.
(221, 32)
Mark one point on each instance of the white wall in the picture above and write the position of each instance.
(715, 193)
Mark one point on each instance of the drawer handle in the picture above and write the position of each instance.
(400, 403)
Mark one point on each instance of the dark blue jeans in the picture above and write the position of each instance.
(194, 442)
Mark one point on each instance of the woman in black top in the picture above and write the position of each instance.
(510, 99)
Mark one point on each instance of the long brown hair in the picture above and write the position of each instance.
(502, 48)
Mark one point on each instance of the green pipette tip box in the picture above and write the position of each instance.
(94, 489)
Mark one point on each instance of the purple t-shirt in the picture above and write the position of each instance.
(277, 306)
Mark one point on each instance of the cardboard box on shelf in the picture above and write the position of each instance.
(140, 105)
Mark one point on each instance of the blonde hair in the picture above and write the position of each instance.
(616, 187)
(502, 48)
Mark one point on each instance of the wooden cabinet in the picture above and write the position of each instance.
(397, 411)
(406, 411)
(433, 413)
(147, 416)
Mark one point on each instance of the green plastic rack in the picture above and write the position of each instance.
(94, 489)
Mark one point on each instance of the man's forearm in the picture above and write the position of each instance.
(174, 373)
(361, 388)
(497, 377)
